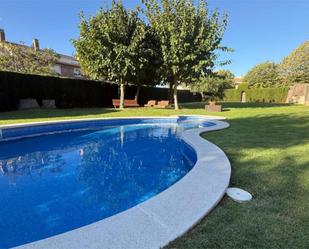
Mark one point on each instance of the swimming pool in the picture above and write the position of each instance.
(62, 176)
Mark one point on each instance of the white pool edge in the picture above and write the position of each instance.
(166, 216)
(55, 121)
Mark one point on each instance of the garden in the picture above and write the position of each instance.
(267, 145)
(146, 55)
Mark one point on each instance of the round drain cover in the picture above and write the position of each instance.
(238, 195)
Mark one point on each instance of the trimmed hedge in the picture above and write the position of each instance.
(267, 95)
(70, 93)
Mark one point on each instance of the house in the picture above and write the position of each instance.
(66, 66)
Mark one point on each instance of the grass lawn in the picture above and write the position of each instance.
(268, 146)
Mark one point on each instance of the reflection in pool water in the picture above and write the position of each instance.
(55, 183)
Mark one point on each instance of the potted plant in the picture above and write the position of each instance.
(213, 106)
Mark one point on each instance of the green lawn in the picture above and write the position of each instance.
(268, 146)
(231, 110)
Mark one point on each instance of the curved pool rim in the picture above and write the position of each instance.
(162, 218)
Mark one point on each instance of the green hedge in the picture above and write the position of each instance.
(267, 95)
(69, 93)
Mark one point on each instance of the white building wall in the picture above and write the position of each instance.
(57, 69)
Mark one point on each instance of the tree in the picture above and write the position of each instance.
(148, 72)
(23, 59)
(109, 45)
(213, 85)
(262, 75)
(295, 67)
(189, 37)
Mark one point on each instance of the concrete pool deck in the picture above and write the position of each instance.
(164, 217)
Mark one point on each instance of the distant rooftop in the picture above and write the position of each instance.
(66, 65)
(64, 59)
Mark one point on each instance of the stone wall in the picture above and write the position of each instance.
(299, 94)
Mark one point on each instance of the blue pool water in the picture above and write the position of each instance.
(55, 183)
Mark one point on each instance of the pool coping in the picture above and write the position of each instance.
(55, 121)
(163, 218)
(67, 122)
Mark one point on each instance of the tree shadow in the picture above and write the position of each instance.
(55, 113)
(253, 105)
(227, 105)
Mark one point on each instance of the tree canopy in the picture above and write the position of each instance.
(23, 59)
(148, 73)
(180, 41)
(262, 76)
(295, 67)
(115, 45)
(213, 85)
(189, 36)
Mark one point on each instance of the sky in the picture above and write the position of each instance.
(258, 30)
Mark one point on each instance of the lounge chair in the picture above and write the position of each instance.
(151, 103)
(163, 104)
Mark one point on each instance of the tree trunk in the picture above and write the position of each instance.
(137, 93)
(170, 92)
(175, 95)
(202, 96)
(122, 93)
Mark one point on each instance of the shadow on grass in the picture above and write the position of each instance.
(227, 105)
(269, 156)
(252, 105)
(54, 113)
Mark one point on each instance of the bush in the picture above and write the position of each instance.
(232, 95)
(295, 67)
(264, 75)
(70, 93)
(267, 95)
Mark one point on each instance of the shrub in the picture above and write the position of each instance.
(70, 93)
(295, 67)
(267, 95)
(263, 75)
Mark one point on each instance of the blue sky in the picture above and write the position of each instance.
(258, 30)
